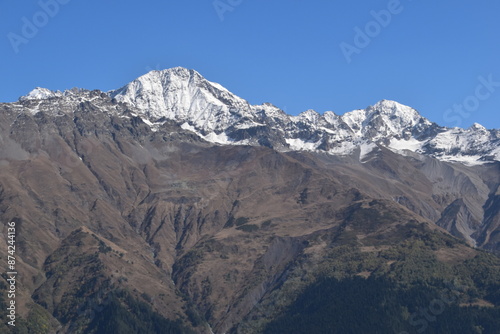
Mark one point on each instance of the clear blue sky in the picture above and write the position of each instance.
(429, 54)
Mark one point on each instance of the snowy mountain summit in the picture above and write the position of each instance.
(219, 116)
(183, 95)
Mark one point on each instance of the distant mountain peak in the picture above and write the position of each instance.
(395, 109)
(389, 104)
(310, 116)
(183, 95)
(40, 93)
(477, 127)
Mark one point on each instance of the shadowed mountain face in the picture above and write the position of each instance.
(216, 235)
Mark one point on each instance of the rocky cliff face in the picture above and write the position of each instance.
(132, 190)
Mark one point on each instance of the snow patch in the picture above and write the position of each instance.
(248, 125)
(345, 148)
(187, 126)
(153, 126)
(220, 138)
(365, 149)
(469, 160)
(298, 144)
(400, 145)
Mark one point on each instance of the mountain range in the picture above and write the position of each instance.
(218, 116)
(174, 201)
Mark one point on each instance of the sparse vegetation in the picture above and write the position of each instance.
(303, 196)
(229, 222)
(266, 224)
(248, 228)
(190, 259)
(125, 314)
(335, 306)
(242, 221)
(386, 285)
(103, 248)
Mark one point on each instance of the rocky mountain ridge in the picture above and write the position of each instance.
(219, 116)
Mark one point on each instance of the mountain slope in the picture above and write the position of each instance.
(185, 98)
(119, 205)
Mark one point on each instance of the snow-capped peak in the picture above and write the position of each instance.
(309, 116)
(183, 95)
(477, 127)
(396, 112)
(40, 93)
(393, 107)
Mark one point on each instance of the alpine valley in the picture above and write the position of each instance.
(171, 205)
